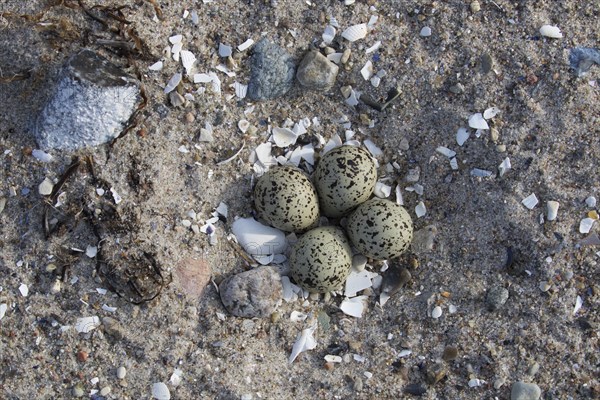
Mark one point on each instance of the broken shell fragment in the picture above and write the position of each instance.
(355, 32)
(552, 210)
(551, 31)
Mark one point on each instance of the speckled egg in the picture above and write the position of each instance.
(344, 178)
(321, 259)
(380, 229)
(286, 199)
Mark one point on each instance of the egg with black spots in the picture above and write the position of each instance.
(286, 199)
(345, 177)
(321, 259)
(380, 229)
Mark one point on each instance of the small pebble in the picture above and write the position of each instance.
(82, 356)
(533, 369)
(525, 391)
(251, 294)
(435, 373)
(487, 63)
(496, 297)
(475, 6)
(450, 353)
(121, 372)
(415, 389)
(317, 72)
(457, 89)
(425, 31)
(358, 384)
(436, 312)
(78, 390)
(329, 366)
(545, 286)
(498, 383)
(189, 118)
(591, 201)
(105, 391)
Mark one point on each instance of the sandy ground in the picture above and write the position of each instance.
(548, 126)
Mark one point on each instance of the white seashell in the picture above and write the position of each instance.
(461, 136)
(195, 18)
(245, 45)
(173, 82)
(552, 210)
(476, 121)
(202, 78)
(176, 50)
(224, 50)
(367, 70)
(157, 66)
(373, 48)
(446, 151)
(530, 201)
(176, 39)
(258, 239)
(382, 190)
(356, 282)
(591, 201)
(263, 153)
(373, 149)
(297, 316)
(420, 209)
(3, 308)
(187, 59)
(585, 226)
(355, 32)
(333, 359)
(505, 166)
(243, 125)
(284, 137)
(352, 100)
(375, 81)
(87, 324)
(354, 306)
(240, 90)
(551, 31)
(160, 391)
(223, 68)
(328, 34)
(91, 251)
(215, 83)
(578, 304)
(304, 341)
(373, 20)
(491, 112)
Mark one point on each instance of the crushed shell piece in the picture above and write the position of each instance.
(355, 32)
(530, 201)
(476, 121)
(461, 136)
(420, 209)
(585, 226)
(552, 210)
(551, 31)
(491, 112)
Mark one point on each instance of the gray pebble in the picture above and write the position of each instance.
(121, 372)
(316, 71)
(78, 391)
(253, 293)
(486, 63)
(457, 89)
(91, 105)
(525, 391)
(272, 71)
(496, 297)
(423, 239)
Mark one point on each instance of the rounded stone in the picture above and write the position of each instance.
(317, 72)
(253, 293)
(525, 391)
(496, 297)
(272, 71)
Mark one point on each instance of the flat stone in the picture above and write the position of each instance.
(496, 297)
(272, 71)
(253, 293)
(525, 391)
(91, 105)
(192, 275)
(317, 72)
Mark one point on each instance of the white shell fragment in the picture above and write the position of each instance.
(585, 226)
(160, 391)
(202, 78)
(24, 290)
(481, 173)
(551, 31)
(41, 156)
(420, 209)
(367, 70)
(356, 282)
(373, 149)
(175, 378)
(91, 251)
(187, 59)
(552, 210)
(446, 151)
(373, 48)
(173, 82)
(240, 90)
(328, 34)
(245, 45)
(578, 304)
(454, 164)
(258, 239)
(491, 112)
(382, 190)
(87, 324)
(476, 121)
(461, 136)
(354, 307)
(284, 137)
(3, 308)
(176, 39)
(332, 358)
(157, 66)
(355, 32)
(505, 166)
(305, 341)
(530, 201)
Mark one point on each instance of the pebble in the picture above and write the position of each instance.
(89, 86)
(591, 202)
(105, 391)
(112, 327)
(475, 6)
(436, 312)
(415, 389)
(525, 391)
(160, 391)
(121, 372)
(486, 63)
(423, 239)
(435, 373)
(253, 293)
(450, 353)
(317, 72)
(496, 297)
(192, 275)
(45, 187)
(176, 99)
(545, 286)
(272, 71)
(457, 89)
(534, 369)
(82, 356)
(78, 390)
(425, 31)
(345, 56)
(581, 59)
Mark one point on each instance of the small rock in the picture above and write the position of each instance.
(486, 63)
(358, 384)
(457, 89)
(82, 356)
(394, 278)
(250, 294)
(317, 72)
(450, 353)
(425, 31)
(78, 390)
(121, 372)
(176, 99)
(436, 312)
(496, 297)
(91, 105)
(113, 328)
(45, 188)
(415, 389)
(582, 59)
(534, 369)
(423, 239)
(160, 391)
(435, 373)
(105, 391)
(192, 275)
(272, 72)
(525, 391)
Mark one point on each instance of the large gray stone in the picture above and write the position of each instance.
(317, 72)
(91, 105)
(253, 293)
(272, 71)
(525, 391)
